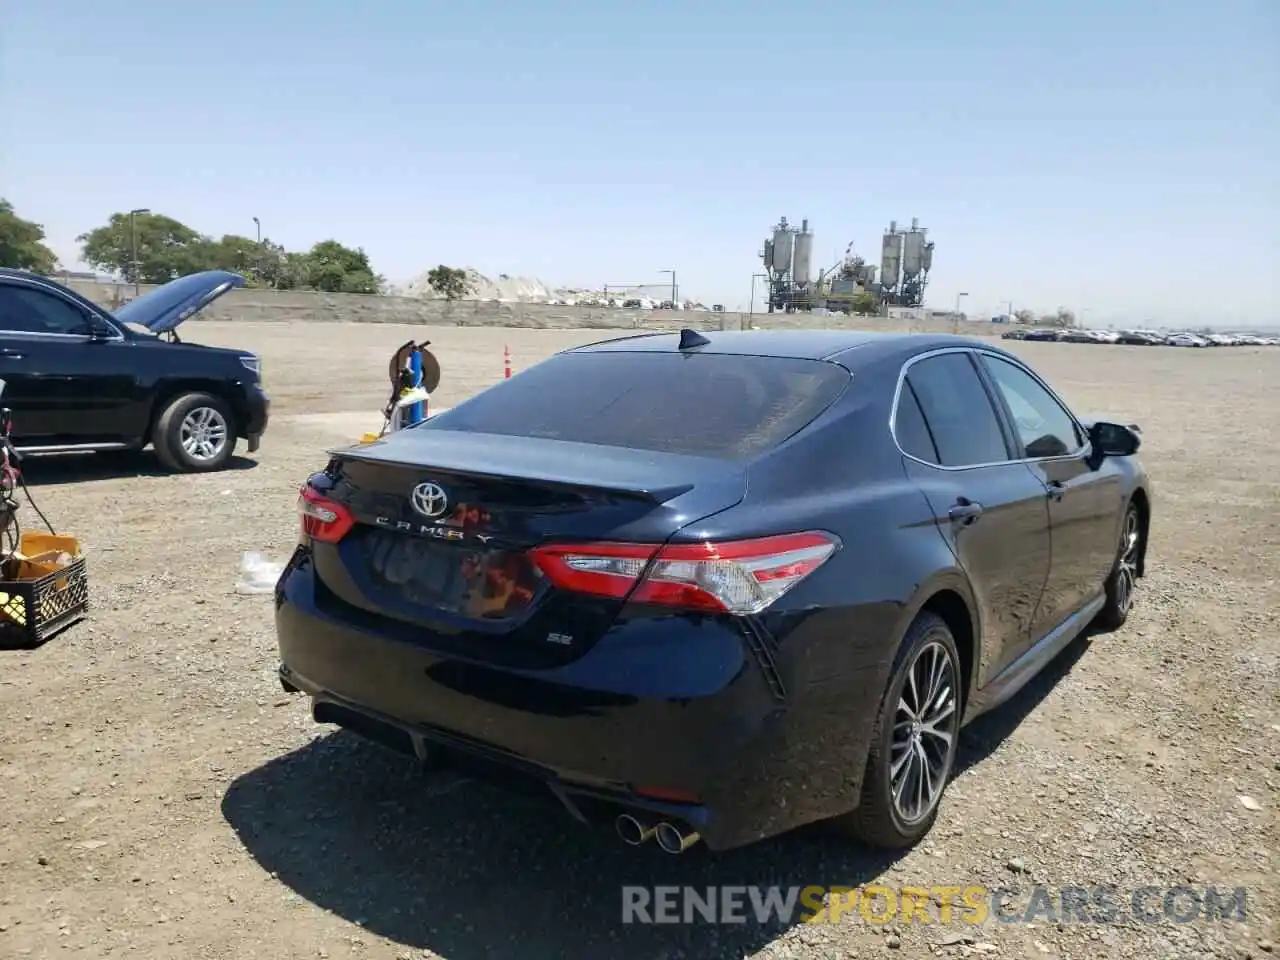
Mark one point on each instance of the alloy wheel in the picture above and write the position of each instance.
(925, 725)
(1127, 570)
(203, 434)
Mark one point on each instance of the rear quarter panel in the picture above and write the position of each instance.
(836, 634)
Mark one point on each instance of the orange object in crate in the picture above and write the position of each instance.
(41, 592)
(32, 545)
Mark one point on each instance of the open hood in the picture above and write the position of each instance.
(164, 308)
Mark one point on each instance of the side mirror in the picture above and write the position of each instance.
(1114, 439)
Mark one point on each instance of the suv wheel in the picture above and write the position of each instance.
(1124, 575)
(195, 433)
(913, 746)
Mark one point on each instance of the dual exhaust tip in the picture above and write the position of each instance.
(671, 837)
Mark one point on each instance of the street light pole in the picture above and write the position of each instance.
(133, 245)
(955, 315)
(674, 306)
(258, 266)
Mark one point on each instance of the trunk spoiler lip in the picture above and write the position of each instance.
(620, 465)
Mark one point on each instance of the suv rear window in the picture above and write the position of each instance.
(709, 405)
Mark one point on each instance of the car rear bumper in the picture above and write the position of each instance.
(608, 733)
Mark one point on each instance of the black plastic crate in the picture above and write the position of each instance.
(32, 611)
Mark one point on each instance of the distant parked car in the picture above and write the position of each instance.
(1040, 335)
(687, 613)
(1185, 340)
(80, 379)
(1077, 336)
(1014, 335)
(1139, 338)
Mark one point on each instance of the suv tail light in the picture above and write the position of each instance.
(739, 577)
(323, 519)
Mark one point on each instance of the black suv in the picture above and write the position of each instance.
(81, 379)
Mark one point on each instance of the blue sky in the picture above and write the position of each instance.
(1118, 158)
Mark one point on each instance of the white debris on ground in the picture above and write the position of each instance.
(258, 574)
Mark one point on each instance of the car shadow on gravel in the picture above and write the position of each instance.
(472, 872)
(981, 737)
(52, 471)
(468, 871)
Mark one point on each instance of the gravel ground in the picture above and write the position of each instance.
(162, 798)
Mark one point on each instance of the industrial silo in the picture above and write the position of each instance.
(802, 262)
(783, 247)
(890, 258)
(912, 254)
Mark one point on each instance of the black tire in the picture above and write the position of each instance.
(1123, 579)
(168, 433)
(878, 821)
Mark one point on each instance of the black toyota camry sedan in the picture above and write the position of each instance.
(715, 586)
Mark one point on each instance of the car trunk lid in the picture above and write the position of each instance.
(444, 522)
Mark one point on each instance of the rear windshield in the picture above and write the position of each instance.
(707, 405)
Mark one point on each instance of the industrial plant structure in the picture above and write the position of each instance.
(788, 260)
(906, 257)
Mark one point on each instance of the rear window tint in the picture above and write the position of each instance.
(708, 405)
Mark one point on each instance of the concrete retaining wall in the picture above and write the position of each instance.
(317, 307)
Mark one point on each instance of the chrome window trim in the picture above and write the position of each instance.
(36, 284)
(1079, 453)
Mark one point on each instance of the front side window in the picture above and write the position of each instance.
(957, 410)
(1044, 429)
(24, 309)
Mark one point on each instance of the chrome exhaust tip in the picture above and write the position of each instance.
(673, 839)
(632, 831)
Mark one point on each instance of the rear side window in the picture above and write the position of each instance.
(958, 411)
(709, 405)
(911, 430)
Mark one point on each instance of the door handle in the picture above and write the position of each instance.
(965, 511)
(1056, 489)
(11, 354)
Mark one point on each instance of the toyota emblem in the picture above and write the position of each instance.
(429, 499)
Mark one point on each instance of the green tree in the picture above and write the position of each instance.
(340, 269)
(166, 248)
(1063, 319)
(452, 283)
(866, 304)
(238, 254)
(294, 271)
(21, 243)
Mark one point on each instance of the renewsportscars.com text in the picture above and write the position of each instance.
(972, 904)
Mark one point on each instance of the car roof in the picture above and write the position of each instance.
(848, 347)
(13, 273)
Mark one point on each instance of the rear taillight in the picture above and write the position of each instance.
(739, 577)
(323, 519)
